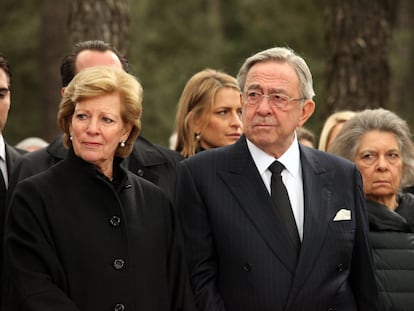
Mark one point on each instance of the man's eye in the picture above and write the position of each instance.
(277, 98)
(254, 94)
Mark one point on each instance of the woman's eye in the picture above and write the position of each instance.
(107, 120)
(392, 157)
(81, 116)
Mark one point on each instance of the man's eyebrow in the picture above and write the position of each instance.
(2, 89)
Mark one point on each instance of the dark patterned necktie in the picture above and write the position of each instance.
(281, 200)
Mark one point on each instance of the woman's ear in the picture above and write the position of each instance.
(126, 132)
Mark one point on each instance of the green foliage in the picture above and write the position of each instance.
(170, 41)
(19, 24)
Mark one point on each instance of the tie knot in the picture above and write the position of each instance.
(276, 167)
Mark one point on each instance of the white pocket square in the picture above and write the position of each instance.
(343, 214)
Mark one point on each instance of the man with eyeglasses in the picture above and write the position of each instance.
(271, 224)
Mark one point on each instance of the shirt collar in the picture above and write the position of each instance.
(2, 148)
(290, 159)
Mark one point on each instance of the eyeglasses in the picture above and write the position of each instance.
(280, 101)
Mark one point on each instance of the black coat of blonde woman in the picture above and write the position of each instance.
(88, 234)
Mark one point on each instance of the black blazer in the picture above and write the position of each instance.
(152, 162)
(237, 253)
(12, 156)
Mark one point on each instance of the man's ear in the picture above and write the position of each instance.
(308, 108)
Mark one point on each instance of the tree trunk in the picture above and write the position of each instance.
(403, 63)
(358, 38)
(106, 20)
(51, 34)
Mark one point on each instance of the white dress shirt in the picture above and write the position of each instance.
(291, 176)
(3, 165)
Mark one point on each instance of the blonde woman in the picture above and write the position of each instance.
(208, 113)
(88, 234)
(332, 127)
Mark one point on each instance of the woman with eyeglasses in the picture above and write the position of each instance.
(379, 142)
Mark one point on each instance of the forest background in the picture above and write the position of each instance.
(360, 51)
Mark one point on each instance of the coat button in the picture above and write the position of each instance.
(340, 267)
(331, 309)
(247, 267)
(115, 221)
(140, 172)
(118, 264)
(119, 307)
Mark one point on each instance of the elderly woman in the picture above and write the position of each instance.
(208, 113)
(379, 142)
(88, 234)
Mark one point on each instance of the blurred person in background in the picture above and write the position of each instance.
(32, 144)
(88, 234)
(380, 144)
(332, 126)
(305, 137)
(208, 113)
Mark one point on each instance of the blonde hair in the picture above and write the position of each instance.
(334, 119)
(197, 99)
(97, 81)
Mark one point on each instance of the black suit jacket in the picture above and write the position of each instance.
(237, 252)
(152, 162)
(12, 156)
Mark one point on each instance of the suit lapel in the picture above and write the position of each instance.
(246, 184)
(317, 197)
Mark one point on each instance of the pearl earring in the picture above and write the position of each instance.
(122, 144)
(198, 136)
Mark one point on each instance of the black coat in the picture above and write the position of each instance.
(392, 239)
(12, 156)
(76, 241)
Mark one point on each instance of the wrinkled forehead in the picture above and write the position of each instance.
(273, 75)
